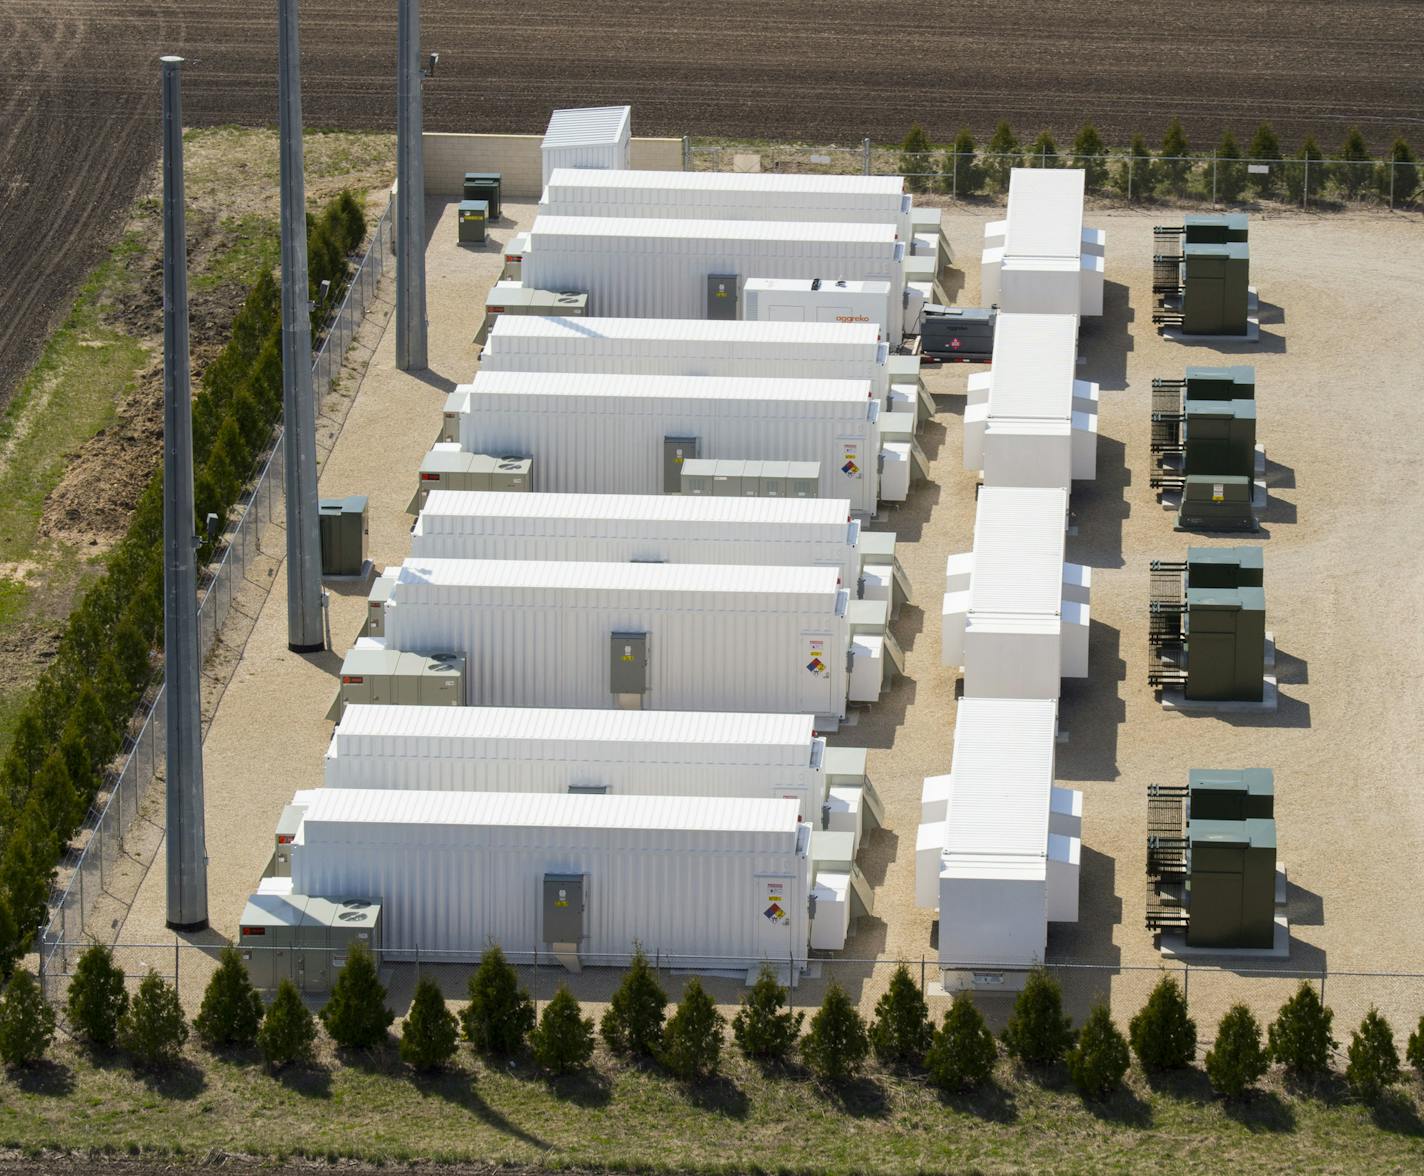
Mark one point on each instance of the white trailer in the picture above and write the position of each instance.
(813, 300)
(996, 853)
(1040, 258)
(619, 753)
(617, 434)
(588, 137)
(655, 636)
(1029, 421)
(1015, 615)
(645, 267)
(700, 882)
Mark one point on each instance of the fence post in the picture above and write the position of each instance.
(175, 962)
(1305, 186)
(1213, 178)
(922, 975)
(1393, 167)
(40, 961)
(1131, 160)
(1186, 981)
(79, 873)
(1322, 985)
(954, 187)
(687, 153)
(865, 148)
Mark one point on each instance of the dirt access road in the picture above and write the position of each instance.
(79, 85)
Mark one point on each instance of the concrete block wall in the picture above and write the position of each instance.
(448, 157)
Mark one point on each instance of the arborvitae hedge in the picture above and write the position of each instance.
(112, 632)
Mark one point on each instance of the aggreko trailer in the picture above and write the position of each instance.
(705, 882)
(655, 636)
(645, 267)
(615, 434)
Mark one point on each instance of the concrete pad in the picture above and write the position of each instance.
(1174, 700)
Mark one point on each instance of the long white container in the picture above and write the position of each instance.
(993, 866)
(689, 347)
(1007, 619)
(649, 528)
(605, 434)
(646, 267)
(717, 638)
(698, 195)
(1029, 421)
(806, 300)
(587, 137)
(711, 881)
(1040, 259)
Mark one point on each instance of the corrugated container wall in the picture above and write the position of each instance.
(650, 268)
(528, 749)
(648, 528)
(603, 434)
(588, 137)
(688, 347)
(456, 871)
(717, 638)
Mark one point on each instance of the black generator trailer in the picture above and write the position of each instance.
(957, 334)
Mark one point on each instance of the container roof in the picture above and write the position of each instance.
(443, 509)
(1045, 213)
(382, 806)
(700, 579)
(587, 126)
(594, 332)
(1018, 552)
(889, 187)
(1035, 362)
(762, 389)
(839, 232)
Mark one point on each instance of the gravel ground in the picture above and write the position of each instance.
(1343, 745)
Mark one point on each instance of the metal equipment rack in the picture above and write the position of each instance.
(1167, 610)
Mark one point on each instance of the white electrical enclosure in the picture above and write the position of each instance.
(1007, 620)
(1039, 259)
(756, 196)
(640, 528)
(641, 267)
(540, 633)
(808, 300)
(596, 137)
(1029, 421)
(1000, 874)
(609, 434)
(704, 882)
(689, 347)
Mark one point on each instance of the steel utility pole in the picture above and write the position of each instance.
(304, 625)
(186, 845)
(411, 354)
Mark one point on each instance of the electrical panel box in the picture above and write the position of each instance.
(676, 451)
(1226, 644)
(722, 296)
(1220, 437)
(1226, 567)
(287, 826)
(474, 217)
(1215, 294)
(386, 677)
(628, 663)
(563, 909)
(1237, 382)
(344, 535)
(1217, 502)
(1231, 795)
(376, 606)
(484, 186)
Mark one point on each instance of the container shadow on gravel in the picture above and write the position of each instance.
(931, 438)
(950, 402)
(1108, 340)
(908, 520)
(909, 625)
(1279, 476)
(1100, 508)
(1306, 908)
(1092, 710)
(1260, 1112)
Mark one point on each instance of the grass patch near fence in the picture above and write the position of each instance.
(369, 1108)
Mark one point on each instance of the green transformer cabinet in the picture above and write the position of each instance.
(344, 535)
(1231, 794)
(1226, 567)
(484, 186)
(474, 217)
(1219, 437)
(1215, 294)
(1217, 502)
(1237, 382)
(1215, 228)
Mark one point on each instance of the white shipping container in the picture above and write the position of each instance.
(717, 638)
(587, 137)
(700, 195)
(710, 882)
(689, 347)
(1040, 259)
(650, 268)
(646, 528)
(809, 300)
(606, 434)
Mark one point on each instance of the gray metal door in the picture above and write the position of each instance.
(721, 296)
(563, 908)
(676, 450)
(628, 663)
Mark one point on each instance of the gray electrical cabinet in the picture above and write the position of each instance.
(727, 479)
(676, 450)
(1215, 228)
(628, 664)
(344, 535)
(563, 909)
(1232, 883)
(771, 482)
(270, 936)
(350, 921)
(386, 677)
(697, 474)
(721, 296)
(1219, 437)
(803, 479)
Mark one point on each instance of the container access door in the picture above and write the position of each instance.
(676, 450)
(817, 674)
(774, 916)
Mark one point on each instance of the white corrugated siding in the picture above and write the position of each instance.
(1035, 362)
(719, 638)
(454, 871)
(595, 137)
(1018, 551)
(647, 527)
(603, 434)
(1045, 213)
(651, 268)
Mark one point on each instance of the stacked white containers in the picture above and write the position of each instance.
(1015, 616)
(606, 434)
(686, 877)
(645, 267)
(652, 528)
(999, 847)
(715, 638)
(1028, 421)
(1040, 259)
(588, 137)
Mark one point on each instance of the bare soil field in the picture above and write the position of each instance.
(79, 85)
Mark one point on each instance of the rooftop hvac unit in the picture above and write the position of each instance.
(1207, 625)
(448, 467)
(376, 675)
(292, 936)
(505, 298)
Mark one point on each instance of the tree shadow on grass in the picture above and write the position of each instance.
(861, 1098)
(310, 1079)
(181, 1081)
(1186, 1085)
(588, 1088)
(1260, 1111)
(720, 1095)
(1123, 1107)
(44, 1077)
(458, 1087)
(1394, 1111)
(991, 1102)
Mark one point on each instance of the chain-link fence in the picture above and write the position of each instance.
(89, 870)
(1189, 179)
(1210, 990)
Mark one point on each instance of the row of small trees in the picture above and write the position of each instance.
(74, 720)
(499, 1020)
(966, 169)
